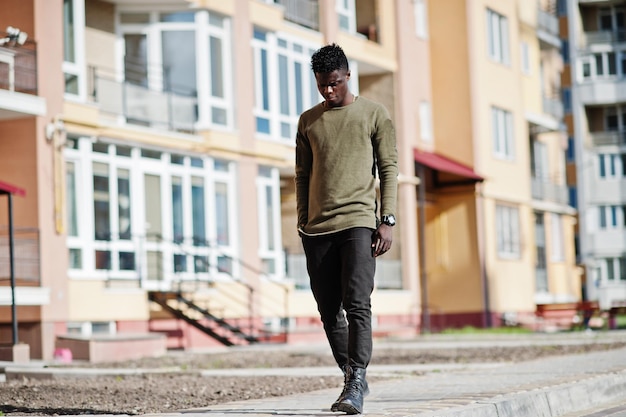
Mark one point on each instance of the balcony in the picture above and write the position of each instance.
(301, 12)
(548, 28)
(602, 91)
(137, 104)
(548, 191)
(608, 138)
(604, 37)
(26, 257)
(18, 81)
(553, 107)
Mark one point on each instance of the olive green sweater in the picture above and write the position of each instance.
(338, 152)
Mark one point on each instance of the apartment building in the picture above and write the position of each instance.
(595, 99)
(502, 119)
(158, 169)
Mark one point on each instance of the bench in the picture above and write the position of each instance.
(113, 348)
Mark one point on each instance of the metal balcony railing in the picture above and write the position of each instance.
(553, 107)
(26, 256)
(548, 21)
(302, 12)
(608, 138)
(603, 37)
(164, 108)
(18, 68)
(546, 190)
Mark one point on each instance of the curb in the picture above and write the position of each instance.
(547, 402)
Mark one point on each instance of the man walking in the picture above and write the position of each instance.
(341, 145)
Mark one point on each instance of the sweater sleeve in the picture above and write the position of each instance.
(387, 162)
(304, 161)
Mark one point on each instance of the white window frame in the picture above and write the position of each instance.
(613, 217)
(83, 157)
(426, 121)
(203, 29)
(613, 166)
(557, 252)
(347, 10)
(591, 61)
(502, 133)
(525, 58)
(276, 254)
(508, 231)
(498, 37)
(617, 263)
(78, 67)
(420, 10)
(278, 45)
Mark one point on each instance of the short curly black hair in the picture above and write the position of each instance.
(328, 59)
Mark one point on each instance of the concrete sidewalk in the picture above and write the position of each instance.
(549, 387)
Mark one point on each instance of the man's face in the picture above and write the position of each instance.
(333, 86)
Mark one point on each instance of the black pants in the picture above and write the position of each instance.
(341, 269)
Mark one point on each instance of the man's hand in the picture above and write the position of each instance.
(381, 239)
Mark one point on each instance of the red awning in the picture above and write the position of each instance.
(441, 163)
(6, 188)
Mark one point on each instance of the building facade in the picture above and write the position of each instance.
(596, 50)
(158, 168)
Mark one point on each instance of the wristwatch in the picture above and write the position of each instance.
(389, 219)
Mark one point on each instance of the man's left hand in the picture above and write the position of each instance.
(381, 239)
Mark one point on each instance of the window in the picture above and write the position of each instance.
(525, 51)
(611, 217)
(508, 231)
(611, 166)
(558, 251)
(613, 269)
(346, 12)
(502, 125)
(498, 37)
(70, 204)
(541, 265)
(426, 123)
(184, 54)
(197, 240)
(73, 46)
(421, 19)
(101, 201)
(284, 83)
(270, 248)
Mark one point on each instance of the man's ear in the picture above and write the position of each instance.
(348, 75)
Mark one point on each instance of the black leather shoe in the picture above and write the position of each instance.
(352, 402)
(346, 374)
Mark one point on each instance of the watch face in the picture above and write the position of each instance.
(389, 220)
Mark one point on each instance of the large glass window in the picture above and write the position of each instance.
(502, 131)
(268, 190)
(613, 269)
(73, 54)
(421, 18)
(181, 59)
(198, 211)
(284, 83)
(123, 203)
(508, 231)
(101, 202)
(346, 12)
(197, 240)
(498, 37)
